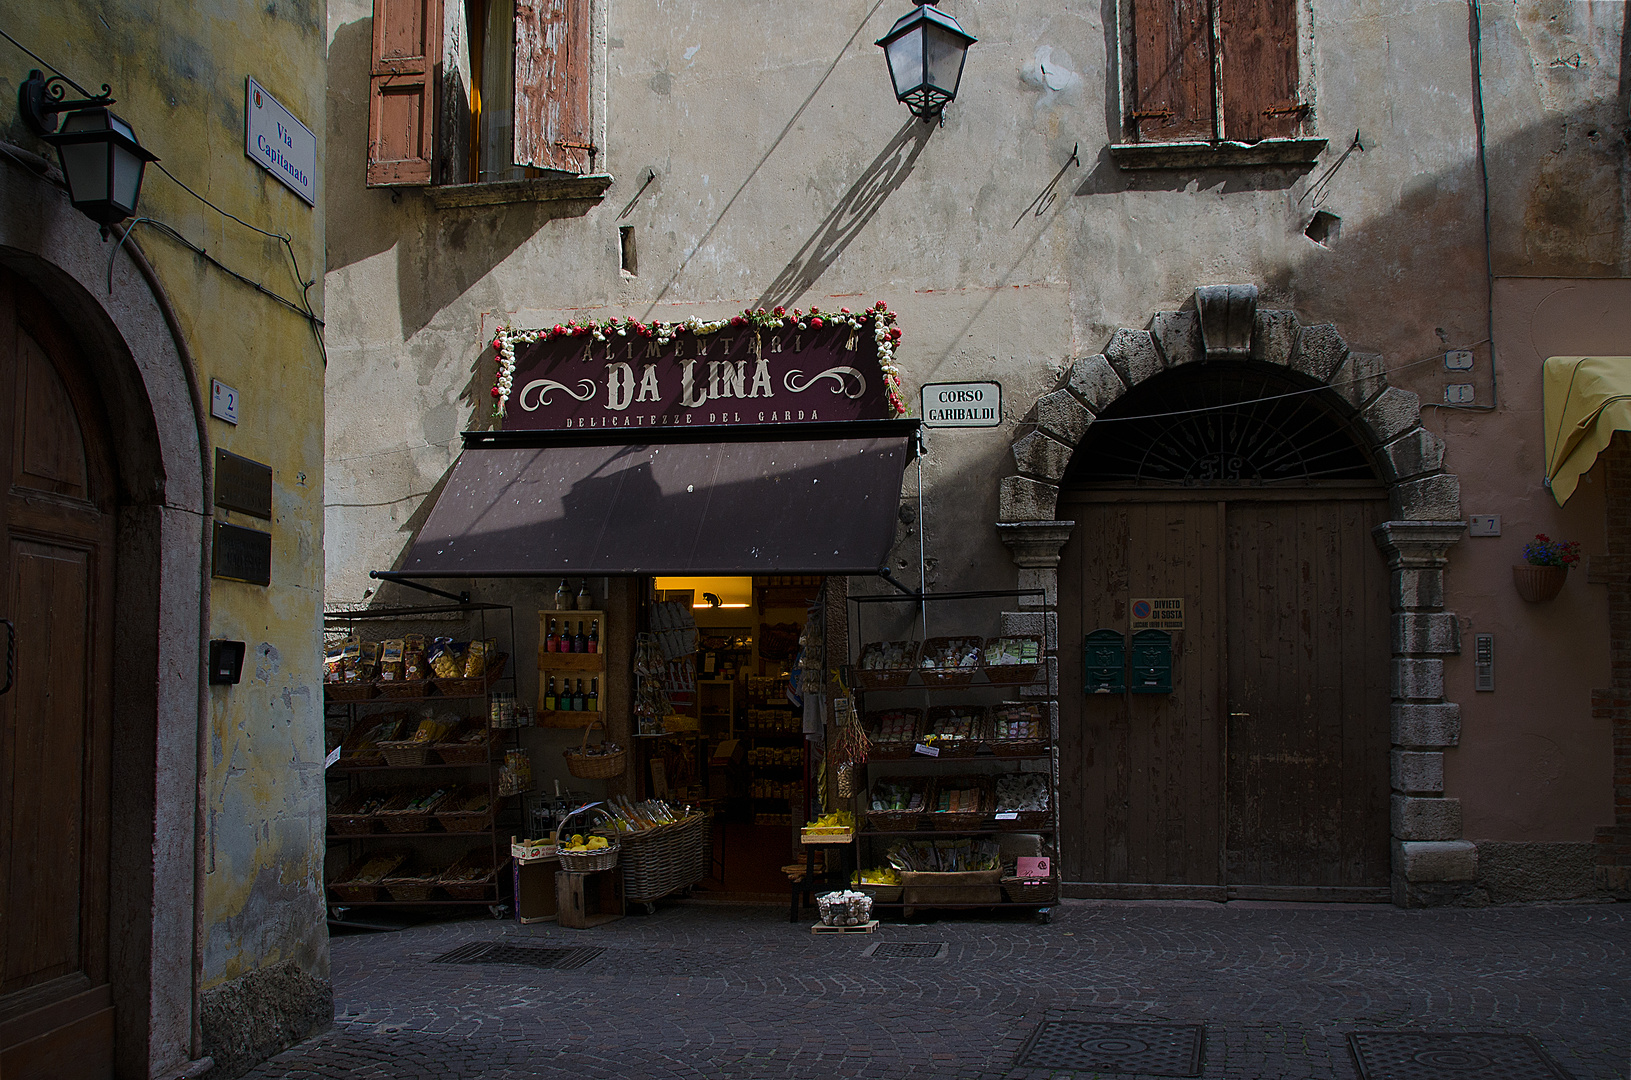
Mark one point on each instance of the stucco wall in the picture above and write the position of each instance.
(786, 174)
(178, 70)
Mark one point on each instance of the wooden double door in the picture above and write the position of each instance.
(56, 589)
(1264, 773)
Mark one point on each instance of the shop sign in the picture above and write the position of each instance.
(1158, 613)
(279, 143)
(738, 376)
(967, 404)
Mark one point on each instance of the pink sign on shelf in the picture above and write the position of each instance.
(1033, 867)
(740, 376)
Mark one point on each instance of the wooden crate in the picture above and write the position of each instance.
(586, 900)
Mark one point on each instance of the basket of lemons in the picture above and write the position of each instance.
(582, 847)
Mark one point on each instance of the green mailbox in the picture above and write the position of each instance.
(1152, 662)
(1104, 662)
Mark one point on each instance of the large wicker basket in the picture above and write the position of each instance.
(658, 861)
(402, 688)
(1031, 890)
(464, 752)
(348, 819)
(939, 722)
(587, 766)
(348, 691)
(1011, 674)
(960, 819)
(466, 810)
(474, 686)
(882, 749)
(1019, 728)
(473, 877)
(586, 862)
(899, 820)
(949, 676)
(397, 818)
(359, 883)
(406, 753)
(883, 678)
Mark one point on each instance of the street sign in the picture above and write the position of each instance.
(968, 404)
(1157, 613)
(279, 143)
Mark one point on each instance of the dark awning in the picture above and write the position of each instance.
(739, 504)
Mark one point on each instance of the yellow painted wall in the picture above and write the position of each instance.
(177, 69)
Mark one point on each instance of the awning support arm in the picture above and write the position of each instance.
(885, 573)
(386, 575)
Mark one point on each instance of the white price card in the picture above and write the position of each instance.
(1008, 815)
(333, 756)
(926, 751)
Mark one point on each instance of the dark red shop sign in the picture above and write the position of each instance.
(732, 376)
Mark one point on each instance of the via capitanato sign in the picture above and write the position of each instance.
(739, 375)
(278, 142)
(967, 404)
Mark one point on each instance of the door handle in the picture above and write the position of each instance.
(1240, 714)
(11, 654)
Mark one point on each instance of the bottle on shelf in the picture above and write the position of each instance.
(563, 596)
(584, 600)
(580, 700)
(551, 642)
(593, 704)
(549, 694)
(580, 643)
(594, 636)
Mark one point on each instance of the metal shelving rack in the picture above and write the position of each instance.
(474, 616)
(977, 761)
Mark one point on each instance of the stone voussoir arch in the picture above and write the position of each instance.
(1432, 864)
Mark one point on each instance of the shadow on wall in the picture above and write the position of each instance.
(439, 253)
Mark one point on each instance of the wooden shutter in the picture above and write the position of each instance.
(402, 92)
(1258, 43)
(1172, 70)
(552, 85)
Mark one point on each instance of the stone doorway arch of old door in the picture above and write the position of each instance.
(1405, 835)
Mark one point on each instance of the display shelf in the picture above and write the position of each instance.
(489, 902)
(927, 832)
(338, 838)
(567, 718)
(588, 663)
(916, 685)
(896, 756)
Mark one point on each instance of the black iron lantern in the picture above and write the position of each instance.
(99, 153)
(926, 50)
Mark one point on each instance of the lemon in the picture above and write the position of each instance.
(577, 838)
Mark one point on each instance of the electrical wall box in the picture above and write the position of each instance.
(1484, 525)
(1104, 662)
(1483, 663)
(1458, 360)
(226, 663)
(1152, 662)
(1458, 394)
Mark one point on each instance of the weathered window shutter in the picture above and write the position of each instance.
(1259, 61)
(1172, 70)
(402, 92)
(552, 129)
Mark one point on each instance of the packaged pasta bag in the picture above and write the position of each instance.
(390, 660)
(414, 666)
(334, 664)
(444, 659)
(475, 660)
(350, 658)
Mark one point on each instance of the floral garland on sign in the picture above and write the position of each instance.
(884, 332)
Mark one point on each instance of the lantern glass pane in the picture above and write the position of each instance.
(86, 167)
(905, 55)
(127, 178)
(946, 53)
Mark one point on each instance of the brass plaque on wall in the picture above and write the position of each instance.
(241, 554)
(243, 485)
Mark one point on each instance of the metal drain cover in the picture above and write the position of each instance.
(486, 952)
(1149, 1049)
(1430, 1055)
(907, 950)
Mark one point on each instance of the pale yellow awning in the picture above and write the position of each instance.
(1588, 399)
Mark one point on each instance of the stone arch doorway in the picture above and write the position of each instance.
(1156, 811)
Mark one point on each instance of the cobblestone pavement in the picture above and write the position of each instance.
(736, 992)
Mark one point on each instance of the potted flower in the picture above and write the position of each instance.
(1545, 567)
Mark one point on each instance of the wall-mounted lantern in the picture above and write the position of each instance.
(926, 50)
(99, 153)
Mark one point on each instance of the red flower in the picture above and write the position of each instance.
(894, 335)
(843, 311)
(780, 311)
(1543, 538)
(815, 324)
(495, 391)
(737, 320)
(879, 306)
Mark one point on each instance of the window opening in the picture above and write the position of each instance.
(625, 240)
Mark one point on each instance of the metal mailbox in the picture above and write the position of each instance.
(1152, 662)
(1104, 662)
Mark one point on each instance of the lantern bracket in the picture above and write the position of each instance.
(40, 100)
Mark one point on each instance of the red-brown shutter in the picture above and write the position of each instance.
(1172, 70)
(1258, 40)
(552, 85)
(402, 92)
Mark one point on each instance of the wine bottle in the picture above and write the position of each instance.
(549, 693)
(563, 596)
(580, 700)
(551, 643)
(594, 636)
(594, 695)
(580, 643)
(584, 602)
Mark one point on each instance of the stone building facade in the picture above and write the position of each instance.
(1436, 203)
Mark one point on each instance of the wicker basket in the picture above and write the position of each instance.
(354, 752)
(477, 685)
(405, 753)
(958, 676)
(882, 750)
(657, 861)
(883, 678)
(960, 819)
(472, 752)
(968, 887)
(411, 890)
(397, 818)
(899, 820)
(881, 894)
(467, 810)
(460, 881)
(359, 883)
(1011, 674)
(347, 691)
(1007, 741)
(345, 820)
(587, 862)
(400, 688)
(586, 766)
(1031, 890)
(978, 729)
